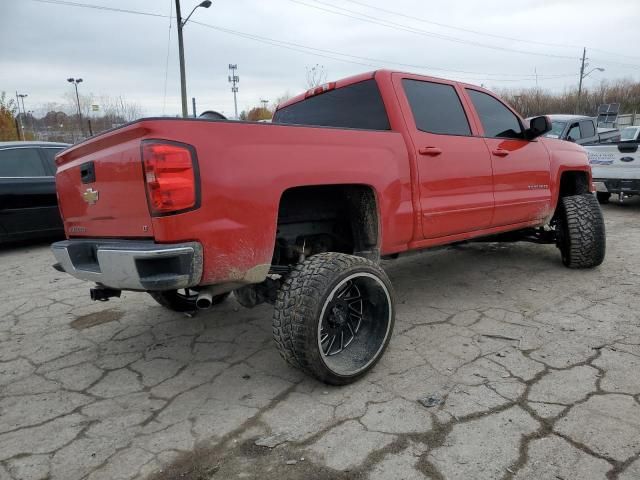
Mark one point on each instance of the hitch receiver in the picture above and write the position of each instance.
(103, 294)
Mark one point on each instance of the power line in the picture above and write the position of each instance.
(466, 30)
(398, 26)
(100, 7)
(485, 34)
(366, 61)
(324, 53)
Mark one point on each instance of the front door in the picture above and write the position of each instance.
(520, 167)
(454, 167)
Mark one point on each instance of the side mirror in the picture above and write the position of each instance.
(538, 126)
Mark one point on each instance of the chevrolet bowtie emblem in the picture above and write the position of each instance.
(90, 196)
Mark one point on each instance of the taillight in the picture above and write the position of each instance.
(171, 177)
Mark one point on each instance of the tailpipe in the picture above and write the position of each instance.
(205, 299)
(103, 294)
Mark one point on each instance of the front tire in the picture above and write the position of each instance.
(183, 300)
(580, 231)
(334, 316)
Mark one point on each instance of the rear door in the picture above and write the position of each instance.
(27, 193)
(454, 166)
(520, 167)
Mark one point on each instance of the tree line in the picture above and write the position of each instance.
(530, 102)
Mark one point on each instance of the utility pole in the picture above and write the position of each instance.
(584, 75)
(264, 103)
(234, 80)
(582, 66)
(183, 77)
(193, 103)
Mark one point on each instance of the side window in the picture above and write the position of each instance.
(436, 108)
(50, 155)
(574, 132)
(587, 129)
(497, 120)
(21, 162)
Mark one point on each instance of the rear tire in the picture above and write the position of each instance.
(580, 231)
(334, 316)
(603, 197)
(183, 300)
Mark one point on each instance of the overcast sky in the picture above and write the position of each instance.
(117, 53)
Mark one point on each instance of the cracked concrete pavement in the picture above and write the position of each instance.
(531, 372)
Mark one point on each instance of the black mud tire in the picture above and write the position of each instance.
(581, 233)
(183, 300)
(305, 303)
(603, 197)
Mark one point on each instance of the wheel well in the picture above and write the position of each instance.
(573, 183)
(338, 218)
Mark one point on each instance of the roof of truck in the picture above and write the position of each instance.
(29, 143)
(568, 118)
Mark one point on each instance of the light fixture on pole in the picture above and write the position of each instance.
(75, 82)
(181, 24)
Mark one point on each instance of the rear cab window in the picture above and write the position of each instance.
(496, 119)
(358, 105)
(21, 162)
(436, 107)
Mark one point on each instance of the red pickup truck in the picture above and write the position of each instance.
(299, 212)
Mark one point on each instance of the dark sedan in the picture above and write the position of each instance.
(28, 202)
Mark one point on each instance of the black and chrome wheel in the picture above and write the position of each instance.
(334, 317)
(183, 300)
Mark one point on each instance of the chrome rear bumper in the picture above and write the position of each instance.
(131, 264)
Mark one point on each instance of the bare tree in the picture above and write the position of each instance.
(316, 76)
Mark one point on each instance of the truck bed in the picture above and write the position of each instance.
(244, 168)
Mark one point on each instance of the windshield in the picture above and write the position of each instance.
(628, 133)
(556, 129)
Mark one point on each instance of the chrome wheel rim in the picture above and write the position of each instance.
(354, 324)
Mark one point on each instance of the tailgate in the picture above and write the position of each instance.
(619, 161)
(101, 187)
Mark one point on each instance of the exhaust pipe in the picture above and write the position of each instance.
(103, 294)
(205, 299)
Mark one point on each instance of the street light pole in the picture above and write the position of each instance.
(583, 66)
(183, 79)
(20, 122)
(75, 82)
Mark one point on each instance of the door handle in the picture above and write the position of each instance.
(499, 152)
(431, 151)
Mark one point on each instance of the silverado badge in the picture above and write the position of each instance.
(90, 196)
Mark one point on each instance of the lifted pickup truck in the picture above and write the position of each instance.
(298, 212)
(580, 129)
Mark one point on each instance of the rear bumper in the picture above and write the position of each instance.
(616, 185)
(131, 264)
